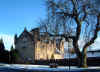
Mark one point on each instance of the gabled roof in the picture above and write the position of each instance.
(24, 34)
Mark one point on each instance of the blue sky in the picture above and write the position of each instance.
(17, 14)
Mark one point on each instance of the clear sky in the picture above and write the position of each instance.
(17, 14)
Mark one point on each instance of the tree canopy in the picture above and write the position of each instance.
(73, 19)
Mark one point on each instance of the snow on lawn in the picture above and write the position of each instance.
(46, 68)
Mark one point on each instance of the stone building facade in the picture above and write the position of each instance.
(36, 45)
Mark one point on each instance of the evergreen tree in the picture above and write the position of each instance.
(4, 55)
(1, 46)
(13, 55)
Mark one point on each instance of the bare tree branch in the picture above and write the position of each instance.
(95, 34)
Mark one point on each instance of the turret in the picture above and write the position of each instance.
(35, 33)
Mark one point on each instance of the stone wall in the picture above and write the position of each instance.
(32, 46)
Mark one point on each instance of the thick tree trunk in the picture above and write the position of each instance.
(84, 58)
(79, 62)
(82, 61)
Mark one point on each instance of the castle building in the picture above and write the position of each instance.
(36, 45)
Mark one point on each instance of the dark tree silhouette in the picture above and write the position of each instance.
(76, 20)
(1, 46)
(4, 55)
(13, 55)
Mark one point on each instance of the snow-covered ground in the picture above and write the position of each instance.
(46, 68)
(95, 54)
(89, 54)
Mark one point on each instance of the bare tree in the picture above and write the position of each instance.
(75, 19)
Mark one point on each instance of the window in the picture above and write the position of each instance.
(23, 47)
